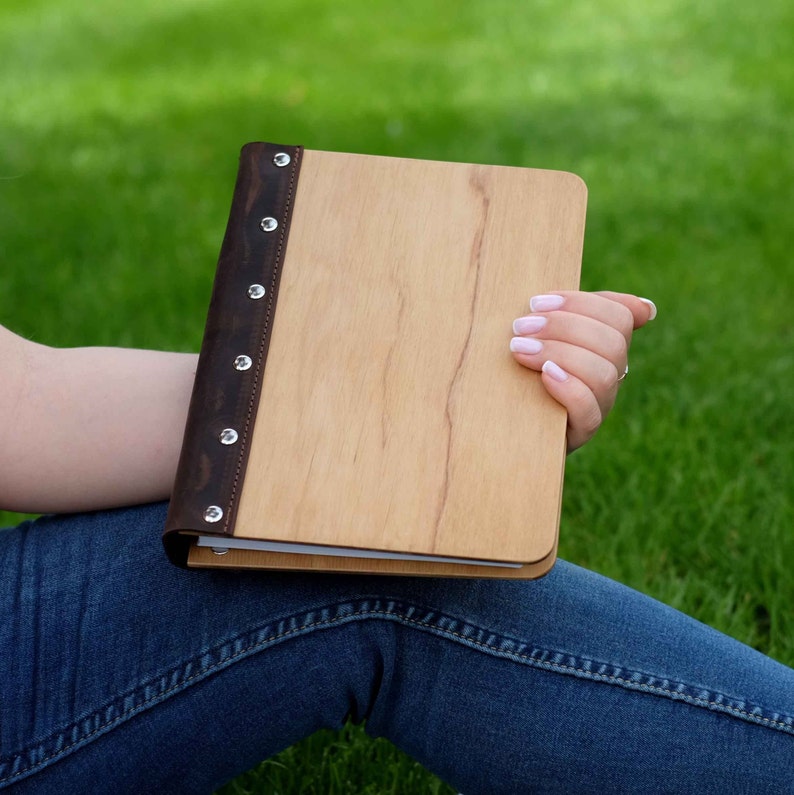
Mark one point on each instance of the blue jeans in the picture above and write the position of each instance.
(121, 673)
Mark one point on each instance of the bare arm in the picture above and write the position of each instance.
(89, 428)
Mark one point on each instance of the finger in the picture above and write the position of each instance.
(598, 374)
(643, 310)
(584, 413)
(622, 311)
(592, 305)
(574, 329)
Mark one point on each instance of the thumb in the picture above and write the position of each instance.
(643, 309)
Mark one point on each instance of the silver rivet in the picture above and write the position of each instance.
(242, 362)
(256, 291)
(219, 550)
(282, 159)
(227, 436)
(213, 513)
(268, 224)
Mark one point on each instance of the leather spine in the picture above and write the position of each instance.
(240, 319)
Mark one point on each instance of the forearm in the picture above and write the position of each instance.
(90, 428)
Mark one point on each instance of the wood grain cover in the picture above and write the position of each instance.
(392, 415)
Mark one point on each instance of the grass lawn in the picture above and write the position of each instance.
(120, 124)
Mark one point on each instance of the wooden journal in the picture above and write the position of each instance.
(356, 407)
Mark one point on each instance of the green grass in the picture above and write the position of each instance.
(119, 130)
(338, 762)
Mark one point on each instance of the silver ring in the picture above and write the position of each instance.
(625, 373)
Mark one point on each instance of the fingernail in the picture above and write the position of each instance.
(528, 325)
(555, 371)
(545, 303)
(651, 306)
(525, 345)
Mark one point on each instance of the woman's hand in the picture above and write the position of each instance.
(580, 342)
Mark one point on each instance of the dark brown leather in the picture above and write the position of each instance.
(211, 473)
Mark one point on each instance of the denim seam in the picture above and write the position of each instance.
(401, 618)
(572, 670)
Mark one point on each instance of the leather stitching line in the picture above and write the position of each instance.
(263, 337)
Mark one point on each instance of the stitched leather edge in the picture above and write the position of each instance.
(209, 472)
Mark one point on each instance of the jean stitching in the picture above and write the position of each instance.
(400, 617)
(612, 679)
(203, 673)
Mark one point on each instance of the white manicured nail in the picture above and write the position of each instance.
(651, 306)
(555, 371)
(528, 325)
(545, 303)
(525, 345)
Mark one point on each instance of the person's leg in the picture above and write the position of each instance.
(580, 685)
(120, 673)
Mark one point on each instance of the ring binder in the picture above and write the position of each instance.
(249, 259)
(355, 403)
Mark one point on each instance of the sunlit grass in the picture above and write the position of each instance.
(119, 130)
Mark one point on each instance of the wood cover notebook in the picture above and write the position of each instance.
(356, 407)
